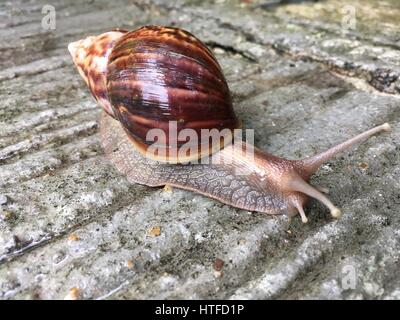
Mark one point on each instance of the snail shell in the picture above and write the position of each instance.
(160, 78)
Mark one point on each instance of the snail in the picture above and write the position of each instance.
(155, 76)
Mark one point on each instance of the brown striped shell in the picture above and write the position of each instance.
(165, 78)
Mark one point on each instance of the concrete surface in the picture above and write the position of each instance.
(72, 227)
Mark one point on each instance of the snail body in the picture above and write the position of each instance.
(147, 78)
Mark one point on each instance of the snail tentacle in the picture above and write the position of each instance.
(296, 183)
(312, 164)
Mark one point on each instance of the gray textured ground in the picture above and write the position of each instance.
(70, 224)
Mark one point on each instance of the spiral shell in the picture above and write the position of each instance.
(162, 75)
(90, 56)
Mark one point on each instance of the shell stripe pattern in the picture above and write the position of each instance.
(161, 74)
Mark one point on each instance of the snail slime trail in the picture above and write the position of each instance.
(155, 76)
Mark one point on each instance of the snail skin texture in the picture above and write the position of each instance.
(146, 78)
